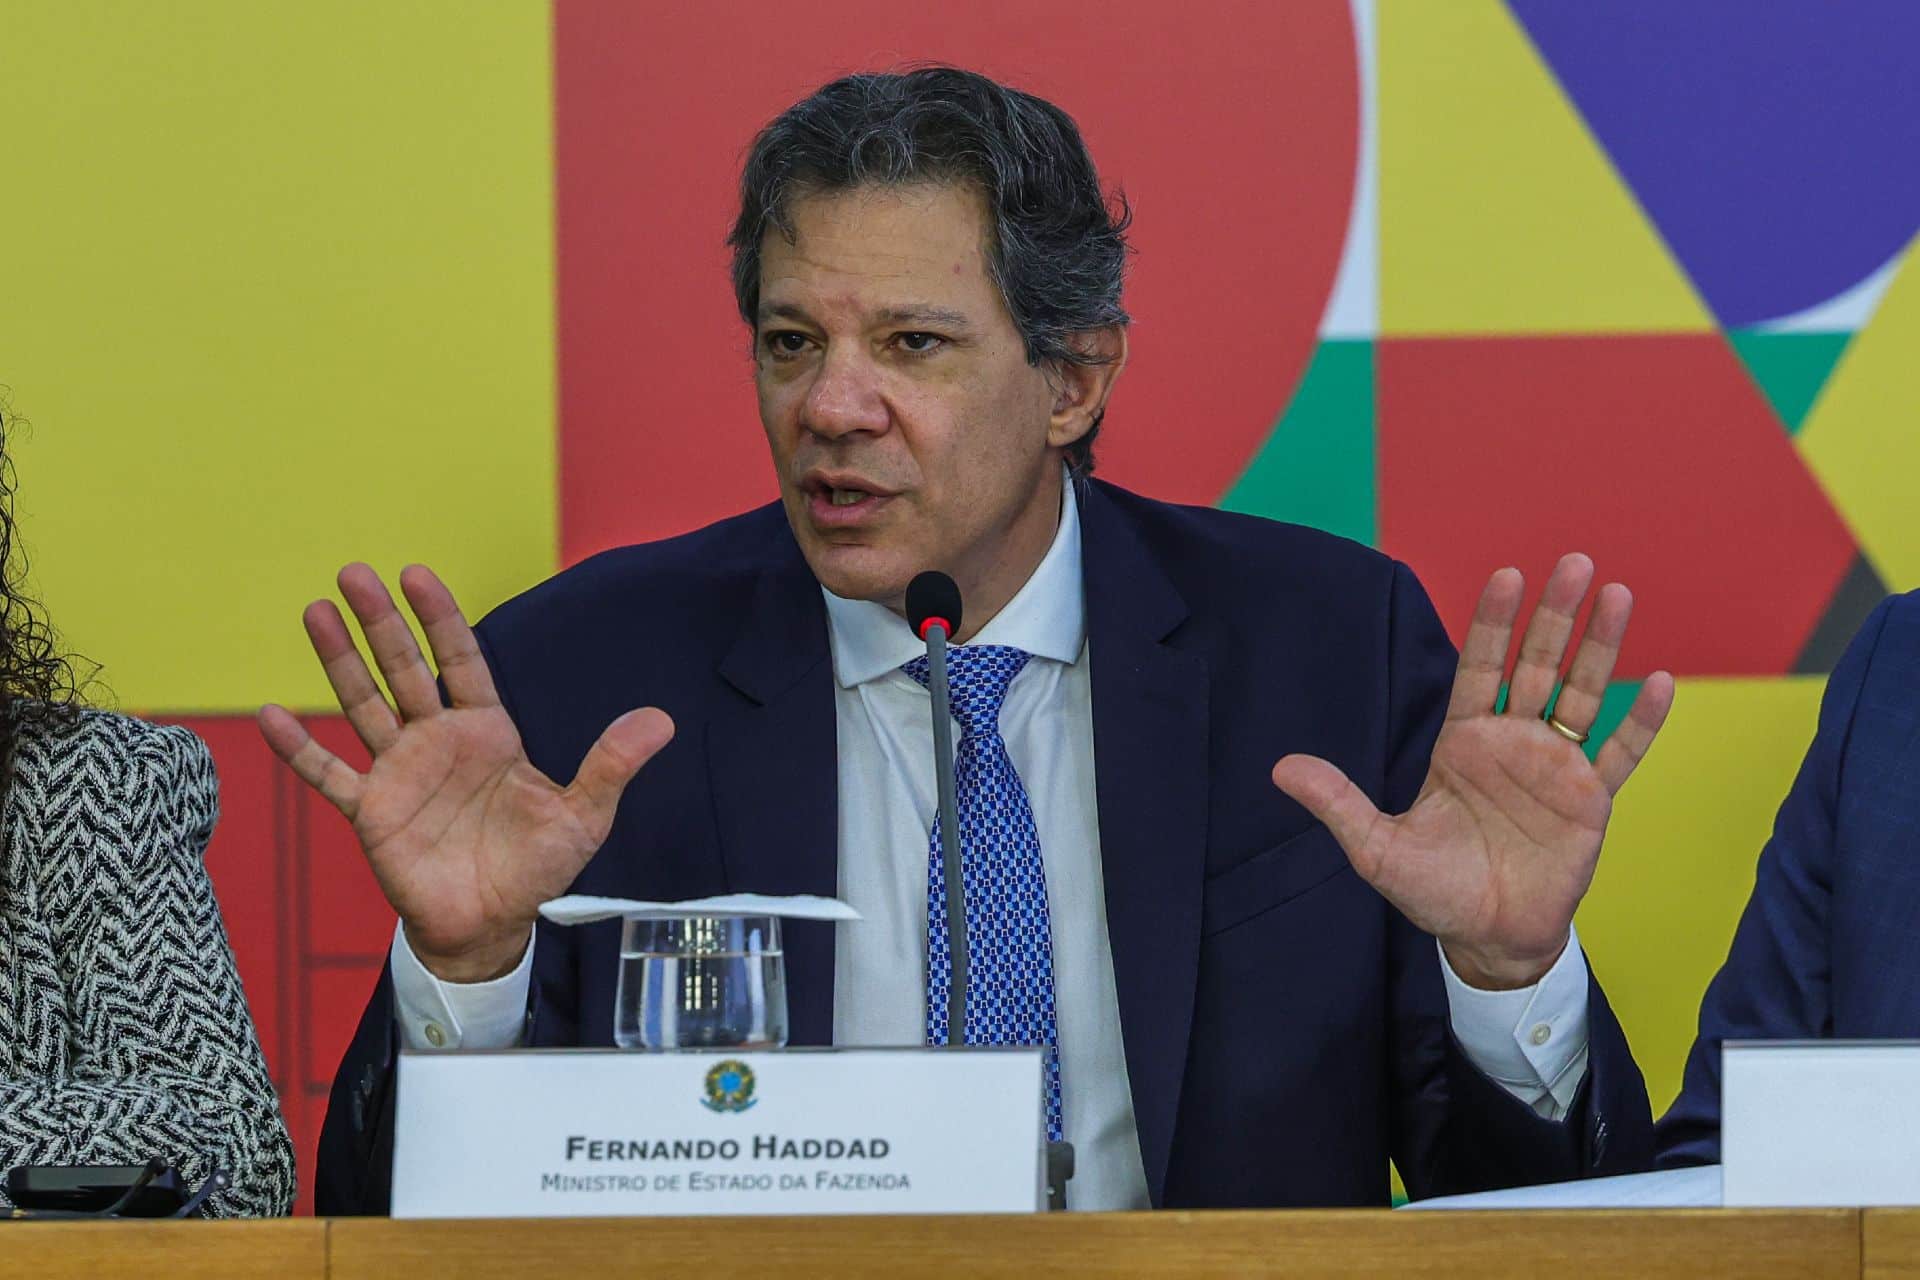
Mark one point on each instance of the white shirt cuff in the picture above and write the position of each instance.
(457, 1015)
(1533, 1041)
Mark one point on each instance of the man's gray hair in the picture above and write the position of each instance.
(1057, 250)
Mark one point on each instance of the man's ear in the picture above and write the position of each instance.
(1080, 391)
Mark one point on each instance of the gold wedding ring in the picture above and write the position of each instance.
(1566, 731)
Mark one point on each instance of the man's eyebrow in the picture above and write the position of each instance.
(783, 311)
(905, 314)
(938, 317)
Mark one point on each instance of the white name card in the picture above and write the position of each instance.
(581, 1133)
(1820, 1122)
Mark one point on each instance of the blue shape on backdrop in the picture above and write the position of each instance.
(1776, 145)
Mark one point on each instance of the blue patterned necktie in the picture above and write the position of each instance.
(1010, 985)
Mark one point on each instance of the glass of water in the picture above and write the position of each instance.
(701, 982)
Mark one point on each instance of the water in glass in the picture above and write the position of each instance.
(701, 982)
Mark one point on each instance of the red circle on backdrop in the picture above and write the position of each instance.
(1234, 134)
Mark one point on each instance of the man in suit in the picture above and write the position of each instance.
(1234, 961)
(1826, 946)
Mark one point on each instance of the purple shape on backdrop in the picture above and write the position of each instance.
(1776, 145)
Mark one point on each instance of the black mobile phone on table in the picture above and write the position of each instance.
(96, 1187)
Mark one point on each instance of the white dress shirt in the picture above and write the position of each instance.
(1532, 1041)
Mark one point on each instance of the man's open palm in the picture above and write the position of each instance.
(465, 836)
(1501, 843)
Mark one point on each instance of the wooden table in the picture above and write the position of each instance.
(1880, 1243)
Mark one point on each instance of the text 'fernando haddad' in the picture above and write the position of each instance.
(766, 1146)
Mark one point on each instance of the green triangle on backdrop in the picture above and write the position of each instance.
(1614, 706)
(1317, 468)
(1790, 367)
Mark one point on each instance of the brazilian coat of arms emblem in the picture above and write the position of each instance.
(729, 1086)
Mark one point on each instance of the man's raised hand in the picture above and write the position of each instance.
(464, 835)
(1501, 843)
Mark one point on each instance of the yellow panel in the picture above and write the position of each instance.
(1679, 859)
(1863, 437)
(277, 286)
(1499, 213)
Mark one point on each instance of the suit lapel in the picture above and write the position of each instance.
(771, 753)
(1151, 770)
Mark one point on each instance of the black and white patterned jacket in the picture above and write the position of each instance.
(124, 1033)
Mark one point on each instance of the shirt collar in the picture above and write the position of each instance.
(1047, 617)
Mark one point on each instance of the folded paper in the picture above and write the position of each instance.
(582, 909)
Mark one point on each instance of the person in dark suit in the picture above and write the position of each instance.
(1825, 945)
(1232, 962)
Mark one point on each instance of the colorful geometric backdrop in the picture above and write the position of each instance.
(1474, 282)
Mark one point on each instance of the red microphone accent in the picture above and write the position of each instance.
(933, 622)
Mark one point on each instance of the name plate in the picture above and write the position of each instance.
(1820, 1122)
(577, 1133)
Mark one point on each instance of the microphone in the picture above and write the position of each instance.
(933, 610)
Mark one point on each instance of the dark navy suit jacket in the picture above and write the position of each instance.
(1829, 943)
(1286, 1031)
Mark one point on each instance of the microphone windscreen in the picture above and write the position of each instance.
(933, 595)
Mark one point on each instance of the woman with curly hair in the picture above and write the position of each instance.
(124, 1034)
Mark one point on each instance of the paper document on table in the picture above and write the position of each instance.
(581, 909)
(1694, 1188)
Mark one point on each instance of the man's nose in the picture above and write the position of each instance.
(845, 397)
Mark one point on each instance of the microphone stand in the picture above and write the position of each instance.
(936, 637)
(933, 609)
